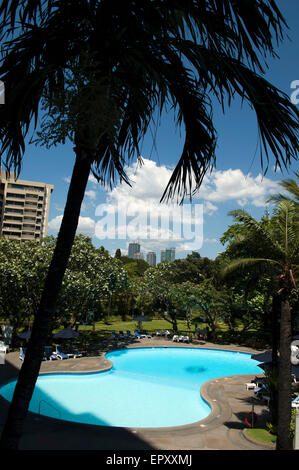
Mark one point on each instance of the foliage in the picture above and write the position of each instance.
(91, 277)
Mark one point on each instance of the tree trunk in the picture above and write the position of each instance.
(273, 405)
(42, 323)
(284, 441)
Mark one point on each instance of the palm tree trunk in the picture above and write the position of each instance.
(284, 441)
(273, 405)
(42, 323)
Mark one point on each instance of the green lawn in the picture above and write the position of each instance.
(151, 327)
(261, 435)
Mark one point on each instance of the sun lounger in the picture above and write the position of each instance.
(262, 393)
(129, 334)
(138, 335)
(185, 339)
(295, 402)
(158, 333)
(250, 386)
(22, 354)
(3, 347)
(122, 335)
(144, 332)
(175, 338)
(61, 355)
(49, 354)
(74, 352)
(114, 335)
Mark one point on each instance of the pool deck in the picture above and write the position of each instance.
(223, 429)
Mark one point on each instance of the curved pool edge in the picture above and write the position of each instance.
(211, 391)
(199, 435)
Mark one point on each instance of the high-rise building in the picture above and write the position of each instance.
(24, 207)
(168, 255)
(133, 249)
(151, 258)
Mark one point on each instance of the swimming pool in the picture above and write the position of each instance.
(146, 387)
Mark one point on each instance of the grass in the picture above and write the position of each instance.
(118, 324)
(261, 435)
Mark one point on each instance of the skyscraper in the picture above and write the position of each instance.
(151, 258)
(168, 255)
(133, 249)
(24, 208)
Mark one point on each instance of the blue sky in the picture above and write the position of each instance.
(236, 182)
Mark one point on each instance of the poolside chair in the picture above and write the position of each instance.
(250, 385)
(138, 335)
(295, 402)
(122, 335)
(3, 347)
(114, 335)
(175, 338)
(185, 339)
(166, 333)
(129, 334)
(22, 354)
(144, 332)
(262, 393)
(74, 352)
(61, 355)
(158, 333)
(49, 354)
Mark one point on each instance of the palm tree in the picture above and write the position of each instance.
(278, 241)
(101, 69)
(291, 186)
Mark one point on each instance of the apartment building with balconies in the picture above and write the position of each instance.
(24, 207)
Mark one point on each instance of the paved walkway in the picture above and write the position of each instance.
(223, 429)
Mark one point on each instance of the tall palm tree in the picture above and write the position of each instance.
(292, 187)
(279, 243)
(101, 68)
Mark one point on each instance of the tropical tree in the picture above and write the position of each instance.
(23, 268)
(279, 243)
(292, 187)
(101, 69)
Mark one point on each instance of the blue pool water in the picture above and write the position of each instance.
(146, 387)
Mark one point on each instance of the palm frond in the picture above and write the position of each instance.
(254, 227)
(149, 53)
(243, 264)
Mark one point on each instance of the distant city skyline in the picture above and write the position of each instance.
(134, 252)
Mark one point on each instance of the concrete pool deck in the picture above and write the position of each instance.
(223, 429)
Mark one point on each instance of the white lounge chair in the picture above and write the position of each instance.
(185, 339)
(295, 402)
(250, 386)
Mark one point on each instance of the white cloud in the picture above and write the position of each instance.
(67, 179)
(140, 215)
(86, 225)
(234, 185)
(91, 194)
(210, 240)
